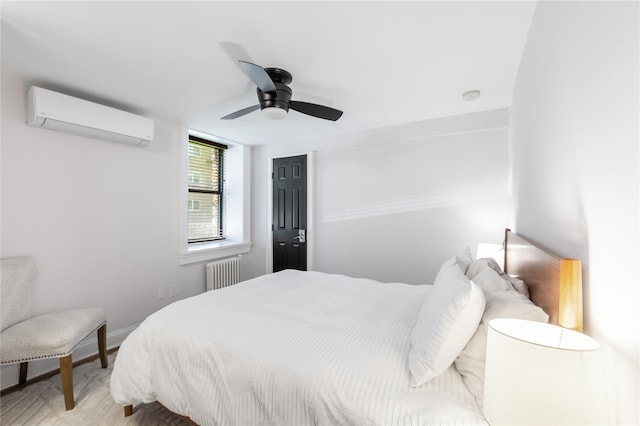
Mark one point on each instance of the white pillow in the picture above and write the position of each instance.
(517, 283)
(490, 281)
(464, 259)
(447, 320)
(502, 301)
(488, 262)
(479, 264)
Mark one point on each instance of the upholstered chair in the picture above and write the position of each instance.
(55, 335)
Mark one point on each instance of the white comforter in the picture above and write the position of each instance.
(291, 348)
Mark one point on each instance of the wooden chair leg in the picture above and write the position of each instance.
(128, 410)
(22, 379)
(66, 377)
(102, 346)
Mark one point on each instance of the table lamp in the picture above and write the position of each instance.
(542, 374)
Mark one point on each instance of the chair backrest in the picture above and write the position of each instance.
(17, 275)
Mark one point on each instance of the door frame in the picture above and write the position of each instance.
(310, 209)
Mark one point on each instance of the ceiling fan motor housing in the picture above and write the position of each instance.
(281, 97)
(278, 99)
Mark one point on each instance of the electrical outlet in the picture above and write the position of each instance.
(160, 293)
(173, 290)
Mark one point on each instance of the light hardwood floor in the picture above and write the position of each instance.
(41, 403)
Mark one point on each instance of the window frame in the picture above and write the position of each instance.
(221, 148)
(238, 202)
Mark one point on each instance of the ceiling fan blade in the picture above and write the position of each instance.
(316, 110)
(258, 75)
(240, 113)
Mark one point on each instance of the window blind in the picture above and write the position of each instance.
(205, 217)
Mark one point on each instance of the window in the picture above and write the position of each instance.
(215, 191)
(205, 217)
(194, 177)
(194, 151)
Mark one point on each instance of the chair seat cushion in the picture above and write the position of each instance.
(51, 335)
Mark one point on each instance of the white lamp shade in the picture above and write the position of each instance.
(542, 374)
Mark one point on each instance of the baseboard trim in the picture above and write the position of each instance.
(86, 351)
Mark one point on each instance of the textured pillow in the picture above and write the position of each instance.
(502, 301)
(490, 281)
(447, 320)
(479, 264)
(517, 283)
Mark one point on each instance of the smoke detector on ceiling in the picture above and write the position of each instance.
(471, 95)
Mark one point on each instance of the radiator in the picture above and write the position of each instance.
(223, 273)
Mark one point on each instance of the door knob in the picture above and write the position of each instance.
(301, 237)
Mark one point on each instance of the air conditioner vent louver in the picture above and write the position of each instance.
(56, 111)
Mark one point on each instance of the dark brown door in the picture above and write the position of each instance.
(290, 213)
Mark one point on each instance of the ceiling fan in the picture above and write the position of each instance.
(274, 95)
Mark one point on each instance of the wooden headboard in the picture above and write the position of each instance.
(538, 268)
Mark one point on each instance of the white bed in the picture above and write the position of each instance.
(308, 348)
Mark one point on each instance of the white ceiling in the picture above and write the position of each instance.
(382, 63)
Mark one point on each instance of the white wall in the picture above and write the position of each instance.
(392, 204)
(576, 186)
(102, 219)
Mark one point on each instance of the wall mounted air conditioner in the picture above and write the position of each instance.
(55, 111)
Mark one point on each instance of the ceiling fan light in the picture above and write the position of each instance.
(274, 113)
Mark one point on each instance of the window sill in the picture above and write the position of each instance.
(202, 252)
